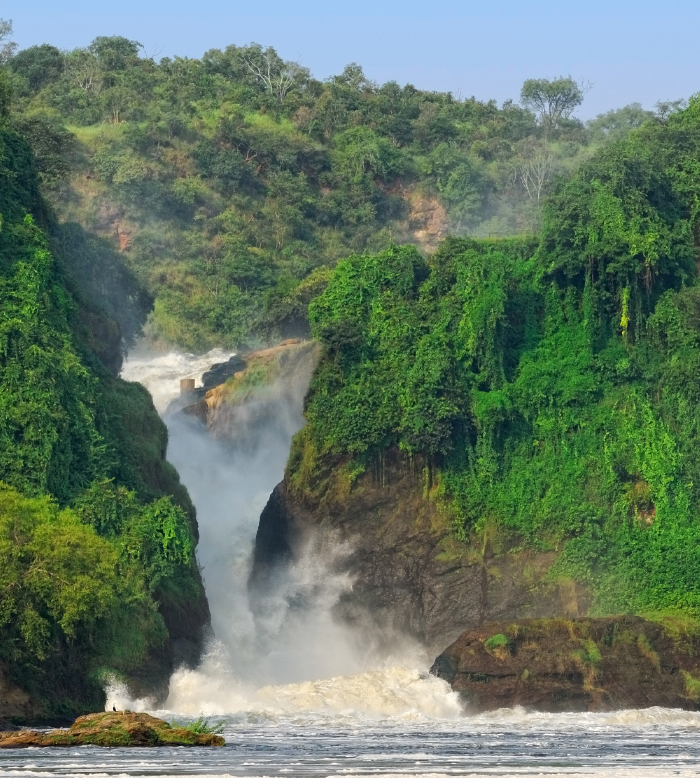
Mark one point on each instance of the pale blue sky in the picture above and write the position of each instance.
(634, 51)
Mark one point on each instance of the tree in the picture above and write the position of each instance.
(117, 101)
(616, 124)
(353, 78)
(52, 145)
(458, 181)
(360, 151)
(554, 100)
(116, 52)
(84, 71)
(535, 169)
(39, 65)
(276, 75)
(664, 108)
(5, 95)
(7, 47)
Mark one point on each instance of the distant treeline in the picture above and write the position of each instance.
(234, 181)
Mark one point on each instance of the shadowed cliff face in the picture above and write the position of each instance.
(410, 575)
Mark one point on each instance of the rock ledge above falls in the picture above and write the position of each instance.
(111, 729)
(587, 664)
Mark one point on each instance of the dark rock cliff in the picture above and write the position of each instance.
(575, 665)
(410, 574)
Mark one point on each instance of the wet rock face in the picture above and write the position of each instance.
(15, 703)
(222, 371)
(410, 575)
(574, 665)
(251, 393)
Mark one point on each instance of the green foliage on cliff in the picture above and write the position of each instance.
(92, 538)
(552, 385)
(232, 179)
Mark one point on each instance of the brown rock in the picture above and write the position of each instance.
(124, 239)
(584, 664)
(410, 574)
(123, 729)
(15, 703)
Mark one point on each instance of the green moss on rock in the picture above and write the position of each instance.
(112, 730)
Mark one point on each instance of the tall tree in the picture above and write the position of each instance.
(7, 47)
(554, 100)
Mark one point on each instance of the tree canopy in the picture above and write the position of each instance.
(96, 531)
(550, 385)
(226, 181)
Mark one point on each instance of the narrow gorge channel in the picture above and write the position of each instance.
(289, 653)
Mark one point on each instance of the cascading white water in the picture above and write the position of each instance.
(296, 658)
(300, 698)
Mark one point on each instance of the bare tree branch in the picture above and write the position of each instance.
(277, 77)
(535, 172)
(85, 72)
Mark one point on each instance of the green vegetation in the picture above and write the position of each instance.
(549, 384)
(548, 381)
(95, 528)
(115, 730)
(233, 182)
(495, 641)
(201, 727)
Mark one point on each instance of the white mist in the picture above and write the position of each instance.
(293, 656)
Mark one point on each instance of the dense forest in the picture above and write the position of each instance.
(549, 385)
(97, 535)
(223, 189)
(543, 362)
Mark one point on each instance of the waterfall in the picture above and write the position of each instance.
(295, 656)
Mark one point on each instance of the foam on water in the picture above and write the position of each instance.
(161, 373)
(397, 693)
(302, 695)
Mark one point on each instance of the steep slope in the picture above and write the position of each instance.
(270, 379)
(516, 416)
(230, 198)
(97, 535)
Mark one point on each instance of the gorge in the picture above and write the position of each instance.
(435, 501)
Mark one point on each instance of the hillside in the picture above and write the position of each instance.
(97, 535)
(230, 184)
(533, 402)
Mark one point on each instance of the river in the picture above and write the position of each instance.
(297, 693)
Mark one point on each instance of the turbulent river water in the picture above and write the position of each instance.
(298, 694)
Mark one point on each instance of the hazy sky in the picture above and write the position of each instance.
(640, 51)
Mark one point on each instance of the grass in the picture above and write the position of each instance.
(201, 727)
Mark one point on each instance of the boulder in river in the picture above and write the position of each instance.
(587, 664)
(112, 729)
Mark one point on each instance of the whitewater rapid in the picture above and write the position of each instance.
(654, 743)
(300, 695)
(293, 657)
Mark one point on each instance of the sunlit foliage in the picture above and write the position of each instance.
(94, 533)
(552, 384)
(229, 180)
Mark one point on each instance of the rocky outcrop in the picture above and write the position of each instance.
(15, 703)
(410, 574)
(575, 665)
(427, 221)
(268, 380)
(122, 729)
